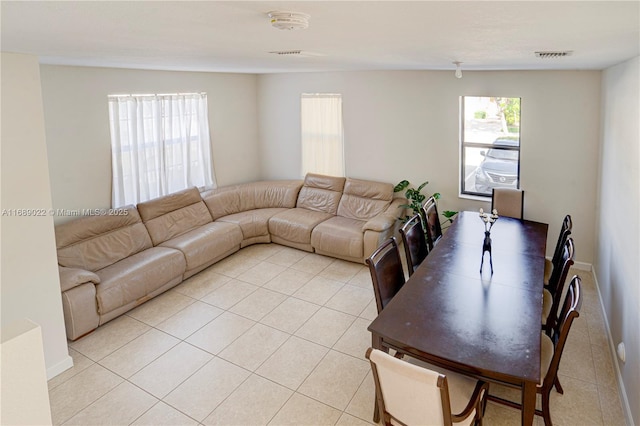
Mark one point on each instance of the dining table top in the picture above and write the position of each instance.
(485, 324)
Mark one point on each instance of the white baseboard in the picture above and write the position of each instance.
(626, 408)
(581, 266)
(60, 367)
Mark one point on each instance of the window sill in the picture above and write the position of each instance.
(486, 199)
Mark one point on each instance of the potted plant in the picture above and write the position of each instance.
(416, 198)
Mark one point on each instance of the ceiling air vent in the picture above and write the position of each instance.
(553, 54)
(294, 53)
(287, 52)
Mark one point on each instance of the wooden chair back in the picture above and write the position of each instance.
(433, 230)
(570, 311)
(408, 394)
(508, 201)
(557, 281)
(414, 241)
(386, 271)
(565, 231)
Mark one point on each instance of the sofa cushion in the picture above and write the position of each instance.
(206, 243)
(363, 199)
(222, 201)
(234, 199)
(253, 223)
(95, 242)
(340, 235)
(296, 224)
(173, 215)
(73, 277)
(321, 193)
(137, 276)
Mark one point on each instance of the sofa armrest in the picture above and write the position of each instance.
(386, 219)
(73, 277)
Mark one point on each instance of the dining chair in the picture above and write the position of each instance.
(508, 201)
(432, 227)
(409, 394)
(565, 231)
(551, 351)
(414, 241)
(552, 295)
(386, 271)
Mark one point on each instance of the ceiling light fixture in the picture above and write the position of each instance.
(458, 72)
(289, 20)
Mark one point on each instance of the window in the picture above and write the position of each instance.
(322, 134)
(490, 144)
(159, 144)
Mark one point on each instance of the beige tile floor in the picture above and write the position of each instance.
(273, 335)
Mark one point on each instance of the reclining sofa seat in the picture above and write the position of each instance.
(108, 266)
(363, 221)
(317, 201)
(181, 221)
(251, 205)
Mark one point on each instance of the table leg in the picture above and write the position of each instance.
(528, 403)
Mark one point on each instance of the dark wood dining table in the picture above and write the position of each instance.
(486, 325)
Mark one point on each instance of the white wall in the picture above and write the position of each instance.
(617, 263)
(25, 398)
(404, 125)
(29, 277)
(77, 126)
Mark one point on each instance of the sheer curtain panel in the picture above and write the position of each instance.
(322, 134)
(159, 144)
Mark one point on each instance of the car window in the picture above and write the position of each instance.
(503, 154)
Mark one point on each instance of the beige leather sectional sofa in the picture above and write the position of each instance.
(111, 264)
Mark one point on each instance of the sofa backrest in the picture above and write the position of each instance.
(321, 193)
(95, 242)
(174, 214)
(364, 199)
(249, 196)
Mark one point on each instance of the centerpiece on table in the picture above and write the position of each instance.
(489, 219)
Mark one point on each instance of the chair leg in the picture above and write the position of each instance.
(547, 328)
(480, 410)
(556, 383)
(546, 412)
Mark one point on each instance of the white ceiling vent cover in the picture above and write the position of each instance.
(553, 53)
(289, 20)
(296, 53)
(286, 52)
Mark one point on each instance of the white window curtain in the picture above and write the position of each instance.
(322, 134)
(159, 144)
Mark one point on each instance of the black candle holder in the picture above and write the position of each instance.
(489, 219)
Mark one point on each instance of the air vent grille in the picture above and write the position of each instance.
(287, 52)
(553, 54)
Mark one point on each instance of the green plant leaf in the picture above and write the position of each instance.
(422, 186)
(401, 185)
(449, 214)
(416, 198)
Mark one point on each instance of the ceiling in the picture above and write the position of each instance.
(236, 36)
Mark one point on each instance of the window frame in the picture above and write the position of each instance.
(483, 145)
(338, 137)
(173, 141)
